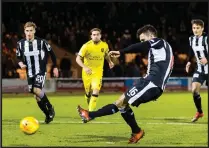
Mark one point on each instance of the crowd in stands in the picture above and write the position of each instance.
(68, 24)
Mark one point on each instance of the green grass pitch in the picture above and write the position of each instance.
(166, 122)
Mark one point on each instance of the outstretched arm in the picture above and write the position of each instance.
(136, 48)
(107, 57)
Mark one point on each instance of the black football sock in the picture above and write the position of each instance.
(46, 100)
(42, 106)
(197, 101)
(105, 110)
(128, 116)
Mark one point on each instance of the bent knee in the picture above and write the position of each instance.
(36, 91)
(95, 92)
(195, 90)
(120, 103)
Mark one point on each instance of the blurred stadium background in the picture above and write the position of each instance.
(66, 27)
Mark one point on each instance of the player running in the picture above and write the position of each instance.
(32, 53)
(199, 48)
(91, 58)
(148, 88)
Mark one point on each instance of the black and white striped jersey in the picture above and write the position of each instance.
(160, 60)
(199, 49)
(34, 54)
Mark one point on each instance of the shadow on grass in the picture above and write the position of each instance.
(96, 138)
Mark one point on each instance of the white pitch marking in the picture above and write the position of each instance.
(147, 118)
(110, 142)
(96, 122)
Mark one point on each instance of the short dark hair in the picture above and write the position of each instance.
(198, 22)
(147, 29)
(95, 29)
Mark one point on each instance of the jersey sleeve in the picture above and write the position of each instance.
(136, 48)
(48, 48)
(191, 52)
(106, 48)
(206, 43)
(206, 47)
(18, 52)
(82, 51)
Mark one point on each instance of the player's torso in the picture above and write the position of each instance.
(160, 64)
(34, 56)
(94, 57)
(199, 47)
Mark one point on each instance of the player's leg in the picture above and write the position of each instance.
(96, 84)
(126, 112)
(39, 102)
(40, 94)
(144, 92)
(87, 86)
(197, 81)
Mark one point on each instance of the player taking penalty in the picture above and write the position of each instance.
(146, 89)
(91, 58)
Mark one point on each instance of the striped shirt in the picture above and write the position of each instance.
(160, 60)
(34, 54)
(199, 49)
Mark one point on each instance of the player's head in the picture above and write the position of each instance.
(197, 27)
(146, 33)
(95, 34)
(29, 29)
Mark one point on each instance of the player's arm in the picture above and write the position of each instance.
(51, 52)
(190, 56)
(134, 48)
(107, 57)
(53, 57)
(204, 60)
(80, 57)
(19, 56)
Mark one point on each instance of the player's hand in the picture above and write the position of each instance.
(56, 73)
(203, 61)
(22, 66)
(87, 70)
(111, 64)
(187, 67)
(114, 54)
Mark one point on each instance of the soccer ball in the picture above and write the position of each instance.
(29, 125)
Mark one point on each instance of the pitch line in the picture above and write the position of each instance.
(103, 122)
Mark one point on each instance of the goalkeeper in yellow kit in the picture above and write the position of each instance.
(91, 58)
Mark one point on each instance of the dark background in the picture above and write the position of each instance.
(68, 24)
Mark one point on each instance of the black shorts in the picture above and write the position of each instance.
(200, 77)
(37, 81)
(143, 91)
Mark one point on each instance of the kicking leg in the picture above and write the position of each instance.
(126, 112)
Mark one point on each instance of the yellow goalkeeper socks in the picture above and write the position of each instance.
(93, 102)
